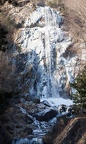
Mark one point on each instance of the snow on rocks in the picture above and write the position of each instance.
(37, 118)
(57, 101)
(28, 141)
(45, 42)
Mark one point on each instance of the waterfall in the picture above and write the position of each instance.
(45, 42)
(50, 17)
(48, 54)
(50, 22)
(48, 61)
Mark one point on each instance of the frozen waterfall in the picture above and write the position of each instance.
(45, 42)
(50, 23)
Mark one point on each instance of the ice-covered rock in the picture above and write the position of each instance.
(36, 141)
(45, 102)
(28, 141)
(21, 141)
(41, 62)
(45, 43)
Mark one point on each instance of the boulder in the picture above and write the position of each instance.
(46, 103)
(62, 108)
(45, 115)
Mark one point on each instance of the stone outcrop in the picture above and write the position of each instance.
(40, 62)
(19, 119)
(28, 119)
(74, 133)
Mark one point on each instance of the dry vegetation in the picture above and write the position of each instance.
(14, 2)
(7, 24)
(75, 24)
(75, 18)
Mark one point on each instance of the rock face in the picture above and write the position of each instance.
(75, 132)
(38, 63)
(28, 119)
(45, 43)
(41, 63)
(56, 130)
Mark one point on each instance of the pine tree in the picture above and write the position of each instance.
(79, 98)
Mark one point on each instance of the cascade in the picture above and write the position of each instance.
(45, 42)
(50, 23)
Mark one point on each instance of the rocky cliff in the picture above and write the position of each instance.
(75, 132)
(42, 50)
(43, 57)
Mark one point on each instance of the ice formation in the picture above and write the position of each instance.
(45, 42)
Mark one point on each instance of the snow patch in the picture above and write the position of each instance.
(58, 101)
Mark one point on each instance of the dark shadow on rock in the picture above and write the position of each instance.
(46, 115)
(5, 138)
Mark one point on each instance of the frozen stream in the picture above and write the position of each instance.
(43, 127)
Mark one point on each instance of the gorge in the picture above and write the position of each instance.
(40, 63)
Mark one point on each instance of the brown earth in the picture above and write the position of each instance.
(75, 23)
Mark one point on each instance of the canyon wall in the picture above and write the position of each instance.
(43, 59)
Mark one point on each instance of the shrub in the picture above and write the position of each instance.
(79, 98)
